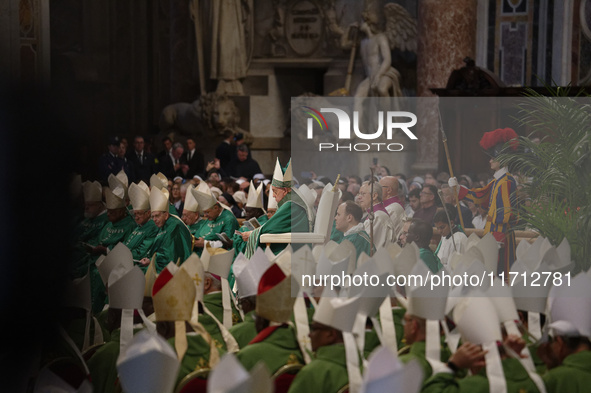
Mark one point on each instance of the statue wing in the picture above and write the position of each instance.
(401, 28)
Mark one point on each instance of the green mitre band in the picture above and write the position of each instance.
(281, 184)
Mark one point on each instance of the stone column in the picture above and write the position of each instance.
(447, 34)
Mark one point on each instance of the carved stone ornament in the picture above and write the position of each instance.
(304, 27)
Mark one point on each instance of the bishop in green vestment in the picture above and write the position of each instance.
(219, 220)
(173, 241)
(569, 363)
(516, 378)
(327, 372)
(276, 346)
(141, 239)
(244, 331)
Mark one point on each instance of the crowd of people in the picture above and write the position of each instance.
(174, 287)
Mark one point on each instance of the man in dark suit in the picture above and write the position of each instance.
(242, 165)
(110, 162)
(176, 165)
(194, 160)
(225, 152)
(143, 162)
(167, 143)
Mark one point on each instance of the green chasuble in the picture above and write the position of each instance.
(198, 227)
(371, 338)
(200, 231)
(173, 241)
(430, 259)
(224, 223)
(76, 328)
(360, 240)
(291, 216)
(533, 351)
(239, 245)
(109, 237)
(213, 302)
(417, 351)
(213, 329)
(87, 231)
(245, 331)
(518, 381)
(140, 241)
(326, 373)
(90, 228)
(276, 350)
(196, 357)
(118, 232)
(573, 375)
(102, 364)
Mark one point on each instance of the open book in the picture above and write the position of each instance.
(251, 224)
(223, 237)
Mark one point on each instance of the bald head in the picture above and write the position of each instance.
(389, 186)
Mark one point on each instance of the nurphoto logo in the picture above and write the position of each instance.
(389, 121)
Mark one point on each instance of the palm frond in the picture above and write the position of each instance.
(558, 169)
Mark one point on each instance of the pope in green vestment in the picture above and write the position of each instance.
(326, 373)
(518, 381)
(276, 346)
(173, 241)
(291, 216)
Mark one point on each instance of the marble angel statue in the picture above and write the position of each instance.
(383, 80)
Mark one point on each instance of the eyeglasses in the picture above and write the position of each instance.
(425, 193)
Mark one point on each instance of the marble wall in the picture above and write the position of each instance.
(447, 34)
